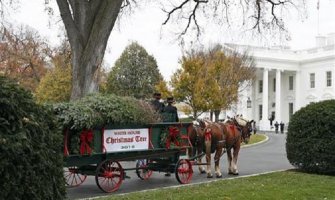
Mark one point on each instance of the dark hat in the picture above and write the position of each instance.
(157, 94)
(170, 100)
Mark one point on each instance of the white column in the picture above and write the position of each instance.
(265, 124)
(244, 109)
(297, 91)
(278, 96)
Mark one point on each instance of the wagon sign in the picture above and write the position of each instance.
(126, 139)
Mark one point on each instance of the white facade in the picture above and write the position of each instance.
(287, 80)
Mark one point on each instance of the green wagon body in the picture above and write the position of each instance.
(158, 157)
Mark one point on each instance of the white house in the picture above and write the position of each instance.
(287, 80)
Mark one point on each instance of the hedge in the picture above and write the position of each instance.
(31, 164)
(310, 143)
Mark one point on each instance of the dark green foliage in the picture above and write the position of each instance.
(99, 110)
(135, 73)
(31, 165)
(310, 141)
(188, 119)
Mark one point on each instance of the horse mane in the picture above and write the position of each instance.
(200, 123)
(207, 122)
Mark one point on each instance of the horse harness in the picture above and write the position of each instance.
(236, 138)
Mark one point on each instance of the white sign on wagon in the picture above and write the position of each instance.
(126, 139)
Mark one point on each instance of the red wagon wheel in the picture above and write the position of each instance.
(109, 176)
(141, 169)
(184, 171)
(72, 177)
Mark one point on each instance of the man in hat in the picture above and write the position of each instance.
(172, 110)
(158, 106)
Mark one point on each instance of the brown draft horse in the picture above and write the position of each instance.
(214, 142)
(227, 135)
(196, 136)
(235, 134)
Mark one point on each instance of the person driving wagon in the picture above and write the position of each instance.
(156, 103)
(171, 111)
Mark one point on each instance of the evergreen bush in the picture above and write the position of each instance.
(99, 110)
(31, 163)
(310, 143)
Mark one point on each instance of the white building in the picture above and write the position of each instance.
(287, 80)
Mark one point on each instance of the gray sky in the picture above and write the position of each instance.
(144, 26)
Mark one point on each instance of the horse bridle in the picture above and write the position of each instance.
(241, 129)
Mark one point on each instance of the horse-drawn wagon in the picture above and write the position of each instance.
(100, 152)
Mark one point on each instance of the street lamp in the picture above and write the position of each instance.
(248, 103)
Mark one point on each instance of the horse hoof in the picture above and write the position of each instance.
(235, 173)
(202, 172)
(209, 176)
(219, 176)
(230, 173)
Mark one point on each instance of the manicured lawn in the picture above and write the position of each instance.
(278, 185)
(256, 138)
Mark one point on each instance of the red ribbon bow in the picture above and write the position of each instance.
(86, 137)
(172, 137)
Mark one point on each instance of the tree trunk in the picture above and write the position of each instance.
(83, 82)
(217, 114)
(88, 25)
(195, 114)
(211, 115)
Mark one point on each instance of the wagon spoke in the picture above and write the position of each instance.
(78, 176)
(68, 175)
(113, 182)
(73, 179)
(103, 180)
(108, 182)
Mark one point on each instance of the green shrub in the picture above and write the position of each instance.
(188, 119)
(100, 110)
(31, 164)
(310, 143)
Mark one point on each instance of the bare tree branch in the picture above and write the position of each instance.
(64, 9)
(261, 14)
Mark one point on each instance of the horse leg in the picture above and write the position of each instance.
(235, 156)
(201, 168)
(208, 159)
(217, 156)
(229, 158)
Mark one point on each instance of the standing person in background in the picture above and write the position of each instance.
(282, 127)
(271, 118)
(171, 110)
(156, 103)
(254, 127)
(276, 126)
